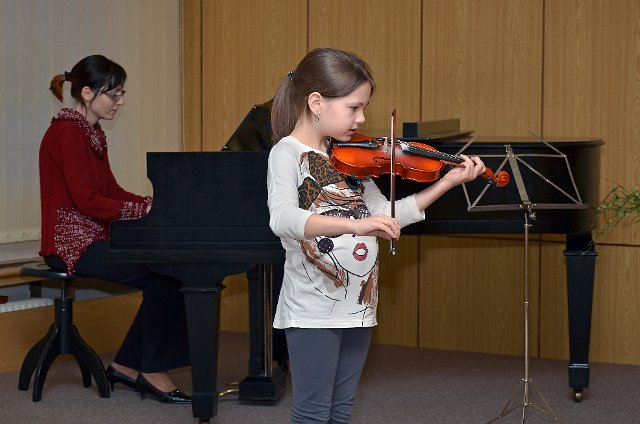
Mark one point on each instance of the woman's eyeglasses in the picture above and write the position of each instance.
(115, 96)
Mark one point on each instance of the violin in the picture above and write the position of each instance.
(366, 156)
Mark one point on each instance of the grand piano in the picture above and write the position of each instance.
(210, 220)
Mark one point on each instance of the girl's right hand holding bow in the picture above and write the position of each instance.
(378, 225)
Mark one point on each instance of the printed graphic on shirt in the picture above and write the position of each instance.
(344, 268)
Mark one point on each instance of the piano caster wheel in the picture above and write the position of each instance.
(577, 395)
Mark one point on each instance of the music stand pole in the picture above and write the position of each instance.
(526, 381)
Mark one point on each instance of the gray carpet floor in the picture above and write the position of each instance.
(399, 385)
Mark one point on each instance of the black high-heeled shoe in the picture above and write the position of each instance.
(175, 396)
(114, 376)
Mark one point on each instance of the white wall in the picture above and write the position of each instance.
(41, 38)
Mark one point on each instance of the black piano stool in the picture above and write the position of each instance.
(62, 338)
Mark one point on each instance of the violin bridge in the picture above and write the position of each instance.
(385, 145)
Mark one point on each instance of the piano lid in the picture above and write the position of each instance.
(254, 132)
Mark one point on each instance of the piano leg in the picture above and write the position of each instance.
(580, 256)
(203, 323)
(263, 382)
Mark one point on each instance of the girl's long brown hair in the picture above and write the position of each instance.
(330, 72)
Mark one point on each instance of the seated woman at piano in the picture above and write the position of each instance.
(329, 225)
(80, 198)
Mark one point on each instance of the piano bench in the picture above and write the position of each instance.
(61, 339)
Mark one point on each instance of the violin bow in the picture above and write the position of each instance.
(392, 182)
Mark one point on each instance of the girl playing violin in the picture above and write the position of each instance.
(328, 225)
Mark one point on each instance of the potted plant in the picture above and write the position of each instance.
(620, 206)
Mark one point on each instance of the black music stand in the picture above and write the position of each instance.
(529, 208)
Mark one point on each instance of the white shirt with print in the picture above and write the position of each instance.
(329, 282)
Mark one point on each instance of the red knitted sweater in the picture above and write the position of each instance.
(79, 194)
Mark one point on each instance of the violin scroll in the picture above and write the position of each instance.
(501, 180)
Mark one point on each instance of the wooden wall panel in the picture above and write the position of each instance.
(472, 294)
(615, 328)
(592, 62)
(387, 36)
(398, 321)
(482, 63)
(615, 333)
(191, 75)
(591, 67)
(247, 49)
(234, 306)
(554, 318)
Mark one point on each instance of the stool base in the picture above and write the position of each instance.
(62, 338)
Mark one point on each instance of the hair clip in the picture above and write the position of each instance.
(67, 76)
(290, 75)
